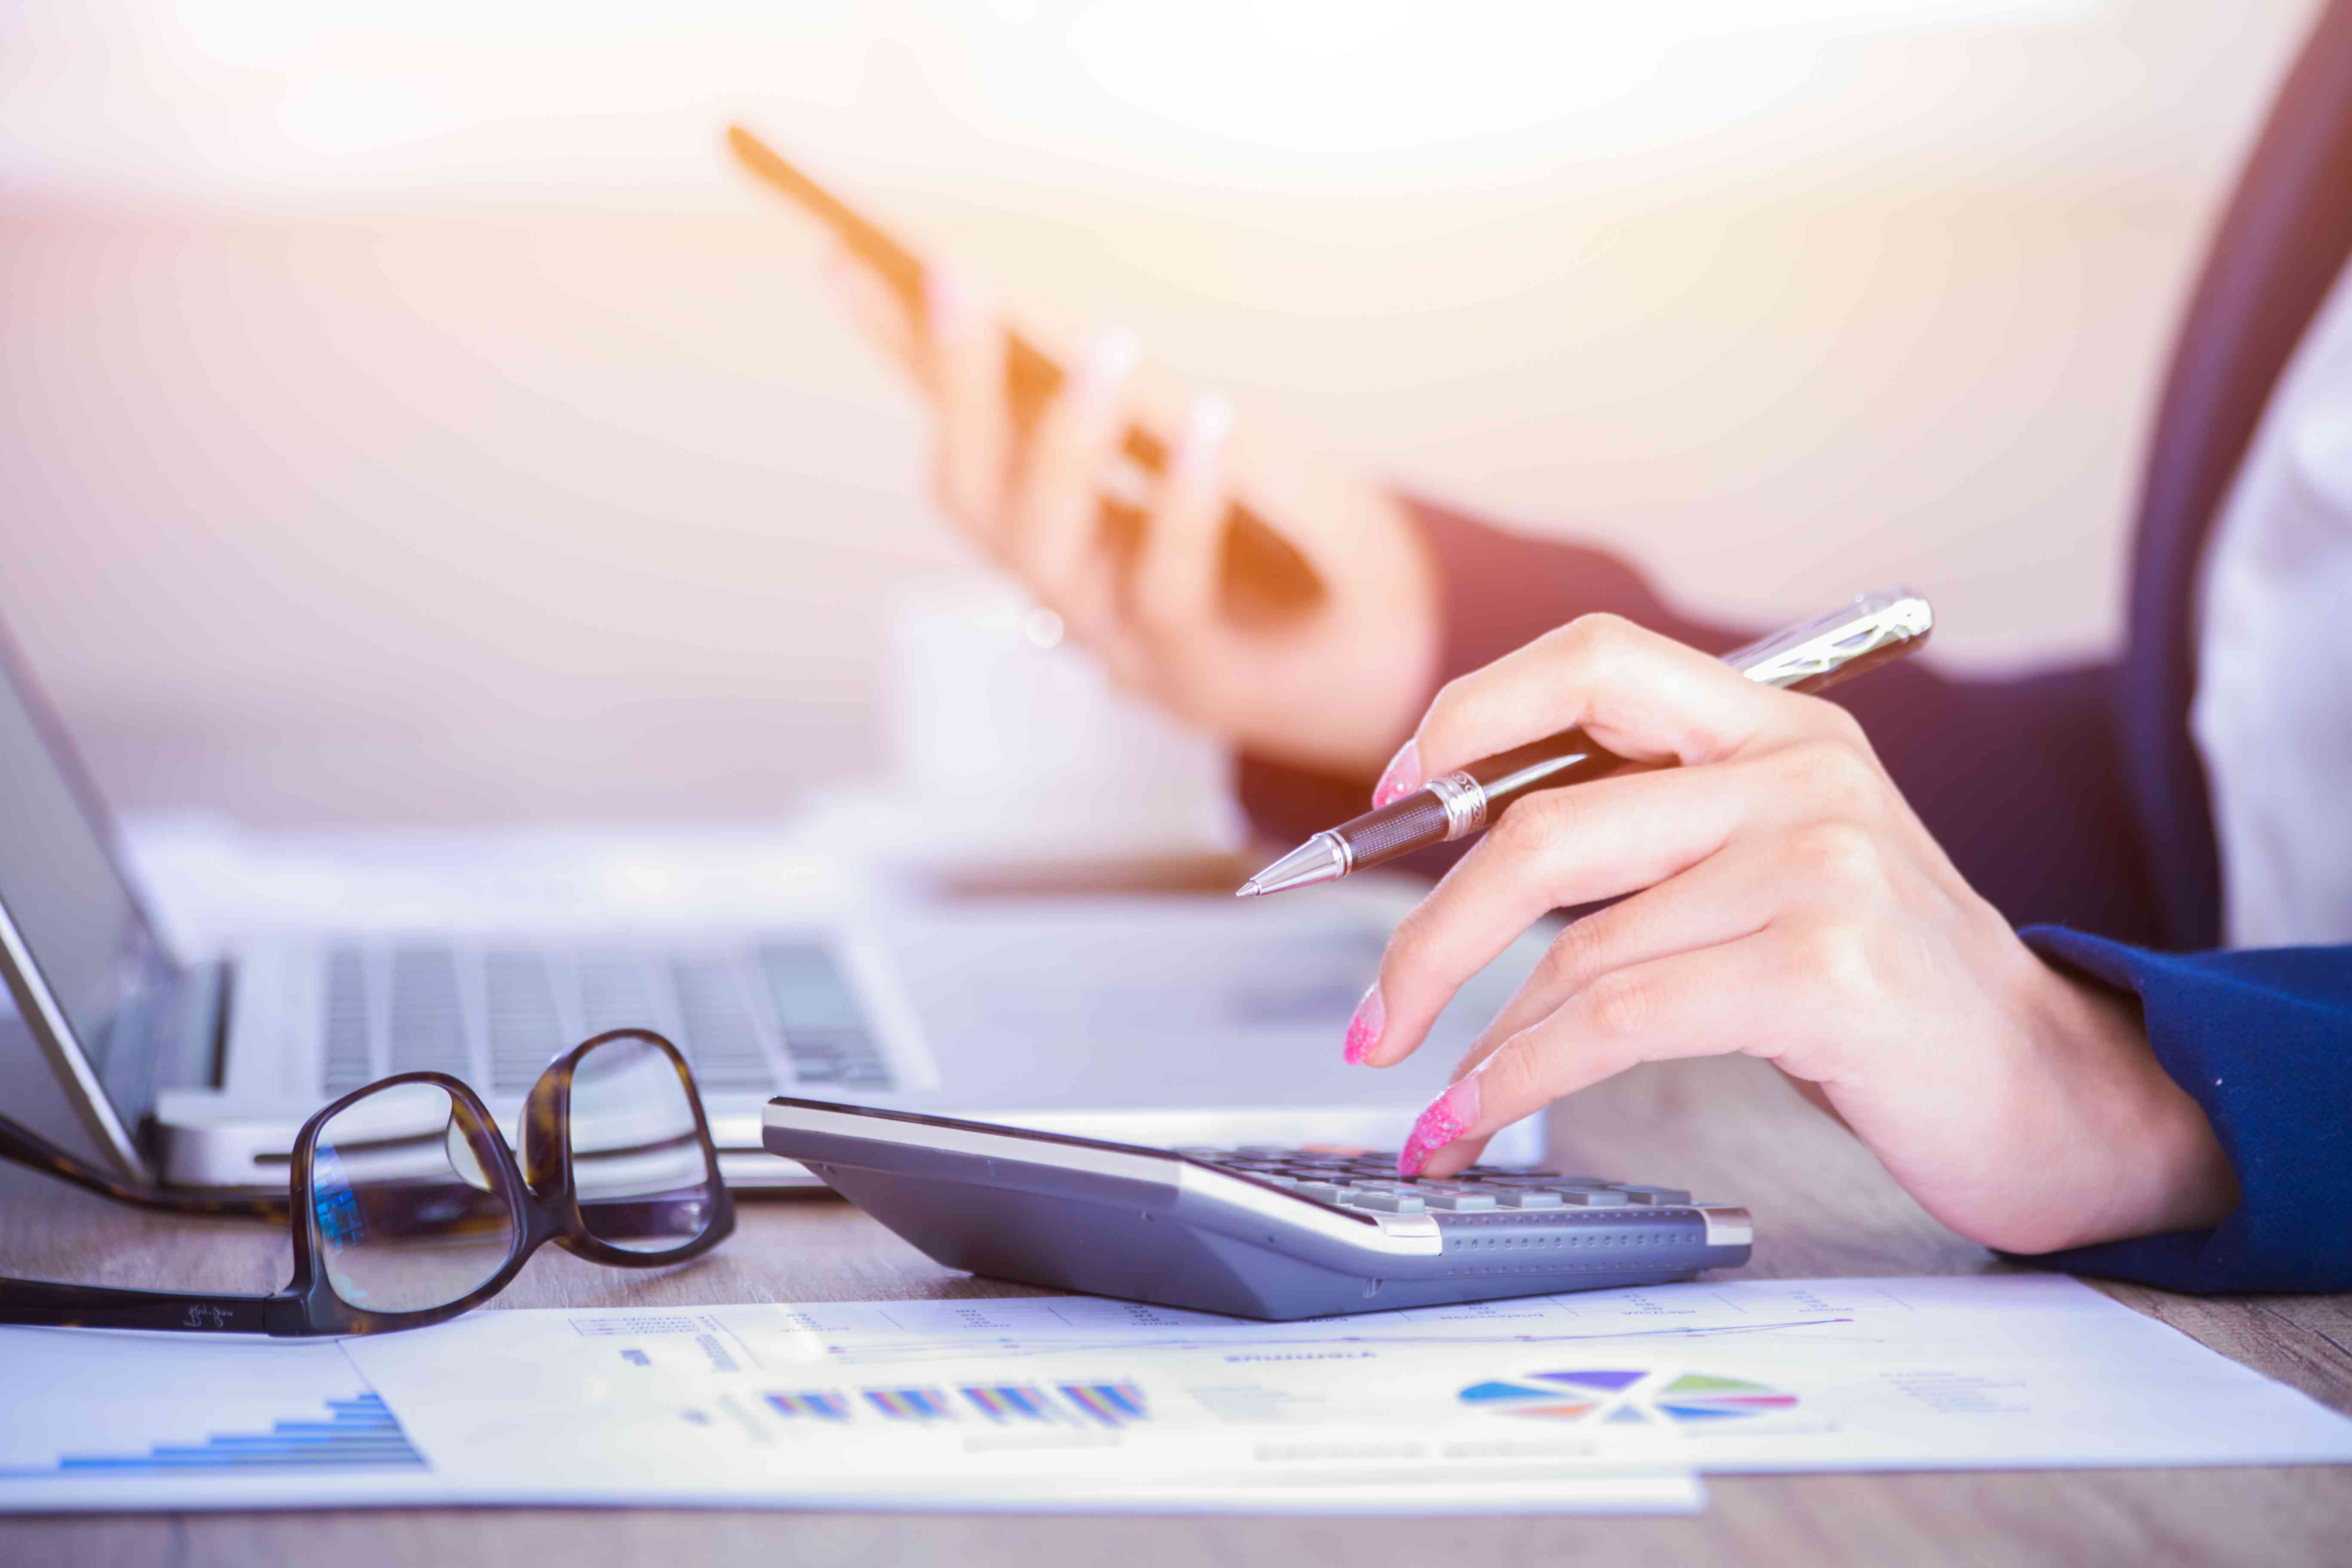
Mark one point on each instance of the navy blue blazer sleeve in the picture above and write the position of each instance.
(2262, 1039)
(2017, 779)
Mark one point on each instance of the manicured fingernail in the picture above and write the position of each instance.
(1108, 358)
(1449, 1116)
(1364, 1028)
(1402, 777)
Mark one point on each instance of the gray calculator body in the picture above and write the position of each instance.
(1255, 1232)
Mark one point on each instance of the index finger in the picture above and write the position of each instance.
(1711, 1002)
(1644, 695)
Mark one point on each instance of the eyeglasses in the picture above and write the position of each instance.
(408, 1207)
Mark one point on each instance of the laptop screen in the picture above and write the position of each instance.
(74, 916)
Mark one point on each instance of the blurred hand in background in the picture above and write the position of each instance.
(1334, 685)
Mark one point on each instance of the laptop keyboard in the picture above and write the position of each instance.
(777, 1015)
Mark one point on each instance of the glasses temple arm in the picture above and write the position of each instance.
(50, 1304)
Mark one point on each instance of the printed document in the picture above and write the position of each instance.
(1578, 1402)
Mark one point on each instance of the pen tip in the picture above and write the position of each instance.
(1249, 890)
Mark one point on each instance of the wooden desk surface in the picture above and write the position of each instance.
(1726, 1126)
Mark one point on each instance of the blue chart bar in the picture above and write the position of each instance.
(1112, 1403)
(823, 1406)
(1011, 1402)
(909, 1404)
(359, 1433)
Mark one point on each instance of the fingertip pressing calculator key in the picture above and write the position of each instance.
(1256, 1232)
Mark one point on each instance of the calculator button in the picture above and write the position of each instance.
(1386, 1203)
(1594, 1199)
(1459, 1202)
(1322, 1192)
(1530, 1198)
(1655, 1194)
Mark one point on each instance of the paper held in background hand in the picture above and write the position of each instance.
(1592, 1402)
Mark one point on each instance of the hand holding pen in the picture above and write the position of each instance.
(1777, 898)
(1408, 815)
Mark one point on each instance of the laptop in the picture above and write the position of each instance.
(1163, 1021)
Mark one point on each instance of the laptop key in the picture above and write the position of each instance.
(819, 1016)
(348, 1061)
(519, 1017)
(711, 1004)
(428, 1017)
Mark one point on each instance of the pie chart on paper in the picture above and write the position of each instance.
(1617, 1396)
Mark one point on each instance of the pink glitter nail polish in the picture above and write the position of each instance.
(1449, 1116)
(1401, 777)
(1364, 1028)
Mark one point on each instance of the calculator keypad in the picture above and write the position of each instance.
(1367, 1180)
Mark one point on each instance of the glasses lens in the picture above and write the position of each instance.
(639, 1163)
(409, 1215)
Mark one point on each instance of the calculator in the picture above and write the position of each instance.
(1260, 1231)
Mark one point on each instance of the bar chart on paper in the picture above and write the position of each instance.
(910, 1403)
(1111, 1404)
(1114, 1405)
(355, 1433)
(140, 1420)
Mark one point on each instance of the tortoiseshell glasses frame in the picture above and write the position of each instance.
(540, 1204)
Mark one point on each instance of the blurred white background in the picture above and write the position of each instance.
(410, 418)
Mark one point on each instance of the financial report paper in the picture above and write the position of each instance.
(1602, 1400)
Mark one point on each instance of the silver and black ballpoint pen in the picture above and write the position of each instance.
(1822, 652)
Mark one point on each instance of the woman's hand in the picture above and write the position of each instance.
(1332, 686)
(1784, 903)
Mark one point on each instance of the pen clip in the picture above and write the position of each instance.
(1872, 629)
